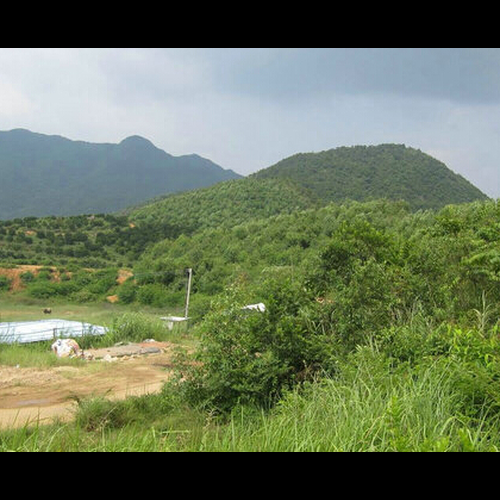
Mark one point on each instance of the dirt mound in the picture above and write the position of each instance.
(123, 275)
(14, 275)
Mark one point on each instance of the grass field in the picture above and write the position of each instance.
(14, 308)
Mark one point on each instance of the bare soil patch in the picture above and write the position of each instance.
(14, 275)
(123, 275)
(29, 396)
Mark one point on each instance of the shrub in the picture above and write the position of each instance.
(250, 357)
(368, 407)
(83, 296)
(27, 277)
(136, 327)
(127, 292)
(4, 283)
(43, 290)
(44, 275)
(102, 282)
(153, 295)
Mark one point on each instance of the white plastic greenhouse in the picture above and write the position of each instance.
(38, 331)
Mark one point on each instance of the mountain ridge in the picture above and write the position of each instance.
(45, 175)
(311, 180)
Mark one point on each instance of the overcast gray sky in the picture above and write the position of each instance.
(248, 108)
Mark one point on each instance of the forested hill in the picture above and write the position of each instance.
(225, 205)
(389, 171)
(50, 175)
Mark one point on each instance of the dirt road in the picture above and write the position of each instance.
(29, 395)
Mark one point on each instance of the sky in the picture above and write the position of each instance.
(248, 108)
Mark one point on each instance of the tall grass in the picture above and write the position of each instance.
(368, 409)
(33, 356)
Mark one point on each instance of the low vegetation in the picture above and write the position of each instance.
(381, 334)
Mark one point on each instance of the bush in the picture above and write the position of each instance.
(136, 327)
(4, 283)
(368, 406)
(127, 292)
(27, 277)
(153, 295)
(250, 357)
(84, 296)
(102, 282)
(43, 290)
(44, 275)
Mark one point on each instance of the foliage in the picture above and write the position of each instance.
(249, 357)
(371, 172)
(93, 241)
(4, 283)
(225, 205)
(365, 281)
(136, 327)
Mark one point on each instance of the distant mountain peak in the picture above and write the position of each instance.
(137, 140)
(51, 175)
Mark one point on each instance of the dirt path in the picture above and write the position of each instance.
(29, 395)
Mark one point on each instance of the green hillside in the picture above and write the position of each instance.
(257, 249)
(49, 175)
(388, 171)
(304, 181)
(225, 205)
(95, 241)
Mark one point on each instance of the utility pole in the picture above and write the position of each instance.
(190, 277)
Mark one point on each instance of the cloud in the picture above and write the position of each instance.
(455, 74)
(249, 108)
(13, 103)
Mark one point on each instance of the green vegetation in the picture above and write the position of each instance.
(259, 248)
(50, 175)
(4, 283)
(37, 356)
(89, 241)
(225, 205)
(382, 321)
(388, 171)
(381, 334)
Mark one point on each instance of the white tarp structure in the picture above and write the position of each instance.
(171, 321)
(260, 307)
(38, 331)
